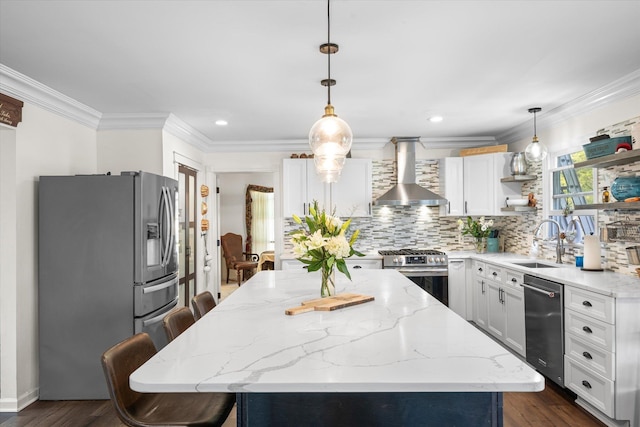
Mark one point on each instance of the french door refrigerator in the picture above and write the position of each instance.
(108, 268)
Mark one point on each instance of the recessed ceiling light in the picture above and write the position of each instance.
(435, 119)
(221, 122)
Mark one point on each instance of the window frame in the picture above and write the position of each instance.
(548, 170)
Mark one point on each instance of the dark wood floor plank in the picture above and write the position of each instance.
(552, 407)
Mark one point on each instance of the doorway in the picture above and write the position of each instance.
(231, 212)
(187, 219)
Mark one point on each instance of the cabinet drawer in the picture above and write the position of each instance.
(590, 386)
(592, 331)
(595, 358)
(514, 278)
(479, 268)
(595, 305)
(494, 273)
(368, 264)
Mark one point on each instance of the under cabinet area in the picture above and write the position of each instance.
(351, 196)
(472, 185)
(352, 264)
(499, 304)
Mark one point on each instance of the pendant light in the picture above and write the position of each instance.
(535, 151)
(330, 137)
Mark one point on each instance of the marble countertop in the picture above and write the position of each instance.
(404, 341)
(602, 282)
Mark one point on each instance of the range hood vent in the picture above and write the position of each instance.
(406, 192)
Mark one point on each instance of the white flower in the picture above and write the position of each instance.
(316, 240)
(338, 246)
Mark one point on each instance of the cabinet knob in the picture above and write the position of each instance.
(494, 274)
(514, 280)
(586, 383)
(587, 355)
(587, 329)
(480, 269)
(586, 304)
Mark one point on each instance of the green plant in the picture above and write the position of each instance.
(477, 229)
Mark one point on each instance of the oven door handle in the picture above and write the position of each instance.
(429, 272)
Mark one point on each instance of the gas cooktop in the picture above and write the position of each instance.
(410, 252)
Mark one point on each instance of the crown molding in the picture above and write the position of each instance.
(617, 90)
(26, 89)
(21, 87)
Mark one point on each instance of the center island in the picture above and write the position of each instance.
(402, 359)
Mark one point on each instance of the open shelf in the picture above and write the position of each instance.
(614, 206)
(519, 209)
(621, 158)
(518, 178)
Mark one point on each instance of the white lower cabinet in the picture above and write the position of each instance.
(480, 294)
(506, 308)
(457, 281)
(602, 351)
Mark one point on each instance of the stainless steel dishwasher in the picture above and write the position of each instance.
(544, 326)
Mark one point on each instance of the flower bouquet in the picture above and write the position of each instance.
(480, 230)
(323, 245)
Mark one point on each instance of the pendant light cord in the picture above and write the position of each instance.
(535, 132)
(329, 52)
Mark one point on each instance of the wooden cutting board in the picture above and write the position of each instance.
(330, 303)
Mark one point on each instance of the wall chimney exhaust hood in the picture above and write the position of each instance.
(406, 192)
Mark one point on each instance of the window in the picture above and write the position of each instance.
(571, 187)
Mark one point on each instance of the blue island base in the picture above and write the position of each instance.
(369, 409)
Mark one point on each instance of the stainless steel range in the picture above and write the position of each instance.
(425, 267)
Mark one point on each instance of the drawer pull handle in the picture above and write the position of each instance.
(586, 383)
(514, 280)
(587, 355)
(480, 269)
(587, 329)
(494, 274)
(357, 266)
(587, 304)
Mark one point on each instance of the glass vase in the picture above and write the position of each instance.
(481, 245)
(328, 286)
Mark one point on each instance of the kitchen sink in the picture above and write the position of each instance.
(534, 265)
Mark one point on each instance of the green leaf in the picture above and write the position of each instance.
(342, 268)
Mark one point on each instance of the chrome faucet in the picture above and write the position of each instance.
(559, 245)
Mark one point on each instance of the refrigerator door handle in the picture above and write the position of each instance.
(163, 226)
(160, 316)
(156, 288)
(172, 224)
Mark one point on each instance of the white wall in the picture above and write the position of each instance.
(130, 150)
(45, 144)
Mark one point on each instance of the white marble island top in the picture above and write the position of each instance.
(404, 341)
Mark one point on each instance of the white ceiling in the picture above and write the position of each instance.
(480, 64)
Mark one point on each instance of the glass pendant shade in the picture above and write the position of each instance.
(329, 168)
(330, 136)
(535, 151)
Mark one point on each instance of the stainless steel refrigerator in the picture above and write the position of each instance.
(108, 268)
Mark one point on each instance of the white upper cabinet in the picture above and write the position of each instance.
(451, 186)
(472, 184)
(300, 186)
(351, 195)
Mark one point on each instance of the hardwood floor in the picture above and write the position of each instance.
(551, 407)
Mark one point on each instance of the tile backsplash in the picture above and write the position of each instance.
(394, 227)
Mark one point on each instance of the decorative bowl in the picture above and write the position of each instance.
(517, 202)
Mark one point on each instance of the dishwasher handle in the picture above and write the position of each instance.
(542, 291)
